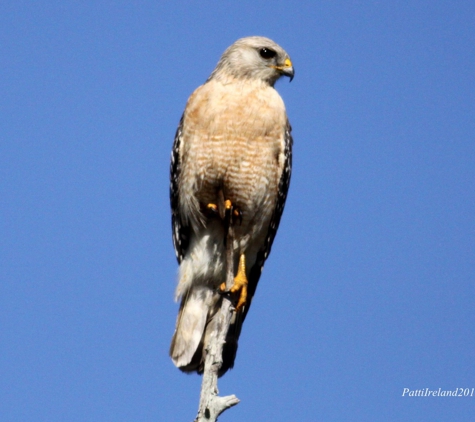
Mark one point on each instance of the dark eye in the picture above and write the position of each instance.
(267, 53)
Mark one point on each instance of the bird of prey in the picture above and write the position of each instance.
(233, 146)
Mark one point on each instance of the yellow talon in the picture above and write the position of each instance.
(235, 212)
(212, 207)
(228, 208)
(240, 283)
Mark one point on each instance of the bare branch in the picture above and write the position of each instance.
(211, 405)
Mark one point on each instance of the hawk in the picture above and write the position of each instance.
(233, 146)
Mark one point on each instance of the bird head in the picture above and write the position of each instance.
(256, 58)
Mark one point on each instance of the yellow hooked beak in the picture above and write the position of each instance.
(287, 69)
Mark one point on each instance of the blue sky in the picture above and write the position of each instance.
(370, 285)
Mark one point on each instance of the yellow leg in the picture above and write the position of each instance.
(240, 283)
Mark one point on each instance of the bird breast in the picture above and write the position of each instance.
(234, 142)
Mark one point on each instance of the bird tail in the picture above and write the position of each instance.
(187, 342)
(194, 325)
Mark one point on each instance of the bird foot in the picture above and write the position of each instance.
(230, 211)
(213, 209)
(240, 284)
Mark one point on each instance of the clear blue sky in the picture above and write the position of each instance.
(370, 285)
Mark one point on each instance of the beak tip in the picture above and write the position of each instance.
(290, 74)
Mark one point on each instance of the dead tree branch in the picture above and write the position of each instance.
(211, 405)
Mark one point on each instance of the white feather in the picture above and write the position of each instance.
(203, 264)
(190, 325)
